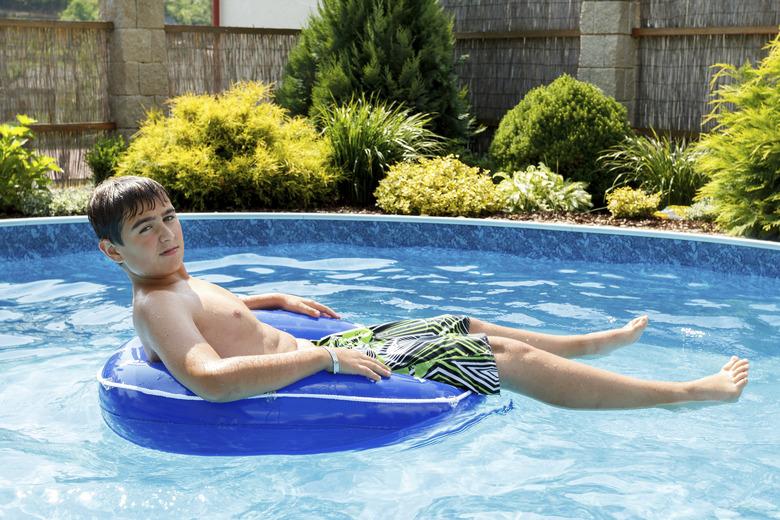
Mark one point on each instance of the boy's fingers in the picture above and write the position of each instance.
(323, 308)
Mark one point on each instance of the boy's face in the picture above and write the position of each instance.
(153, 242)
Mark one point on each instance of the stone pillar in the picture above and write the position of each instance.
(138, 75)
(608, 53)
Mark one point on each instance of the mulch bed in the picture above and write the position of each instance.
(592, 219)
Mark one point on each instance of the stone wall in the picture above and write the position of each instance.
(608, 53)
(138, 78)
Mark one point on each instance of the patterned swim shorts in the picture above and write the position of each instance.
(440, 349)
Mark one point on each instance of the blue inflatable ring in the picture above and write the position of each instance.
(144, 404)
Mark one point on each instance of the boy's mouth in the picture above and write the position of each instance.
(169, 252)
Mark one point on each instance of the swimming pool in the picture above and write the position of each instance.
(63, 310)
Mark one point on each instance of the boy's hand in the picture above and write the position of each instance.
(355, 362)
(305, 306)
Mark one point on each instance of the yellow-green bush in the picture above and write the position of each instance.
(438, 186)
(630, 203)
(235, 151)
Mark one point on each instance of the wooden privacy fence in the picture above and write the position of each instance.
(58, 72)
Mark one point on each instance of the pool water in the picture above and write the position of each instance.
(61, 318)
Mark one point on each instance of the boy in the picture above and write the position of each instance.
(211, 342)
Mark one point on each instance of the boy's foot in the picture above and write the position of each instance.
(609, 340)
(726, 385)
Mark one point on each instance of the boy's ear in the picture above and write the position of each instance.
(110, 251)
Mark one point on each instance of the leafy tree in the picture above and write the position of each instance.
(396, 50)
(188, 12)
(81, 10)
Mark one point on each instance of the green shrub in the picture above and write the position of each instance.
(627, 202)
(57, 202)
(741, 155)
(35, 203)
(104, 156)
(655, 164)
(702, 209)
(537, 188)
(366, 138)
(397, 50)
(438, 186)
(22, 172)
(565, 124)
(237, 151)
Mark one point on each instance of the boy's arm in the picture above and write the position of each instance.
(289, 302)
(171, 332)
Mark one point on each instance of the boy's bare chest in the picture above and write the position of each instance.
(226, 323)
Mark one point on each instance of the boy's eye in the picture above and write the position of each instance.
(145, 229)
(168, 218)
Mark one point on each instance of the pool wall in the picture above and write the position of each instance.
(44, 237)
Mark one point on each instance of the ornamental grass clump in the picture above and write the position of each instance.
(440, 186)
(656, 165)
(567, 125)
(232, 152)
(367, 137)
(741, 155)
(537, 188)
(627, 202)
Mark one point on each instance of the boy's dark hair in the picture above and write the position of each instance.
(117, 199)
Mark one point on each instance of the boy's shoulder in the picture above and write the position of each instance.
(150, 301)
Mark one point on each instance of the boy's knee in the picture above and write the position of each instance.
(508, 346)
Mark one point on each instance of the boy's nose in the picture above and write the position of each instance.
(166, 235)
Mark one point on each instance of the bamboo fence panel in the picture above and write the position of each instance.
(69, 150)
(709, 13)
(202, 60)
(513, 15)
(56, 73)
(499, 72)
(675, 71)
(675, 76)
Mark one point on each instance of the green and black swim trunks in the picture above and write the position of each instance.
(440, 349)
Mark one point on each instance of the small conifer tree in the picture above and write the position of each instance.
(394, 50)
(741, 155)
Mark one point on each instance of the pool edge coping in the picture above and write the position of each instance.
(551, 226)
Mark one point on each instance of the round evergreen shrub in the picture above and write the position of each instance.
(232, 152)
(396, 50)
(741, 156)
(566, 125)
(437, 186)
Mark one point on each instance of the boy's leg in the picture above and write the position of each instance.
(567, 346)
(562, 382)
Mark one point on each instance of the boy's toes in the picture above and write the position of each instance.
(730, 364)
